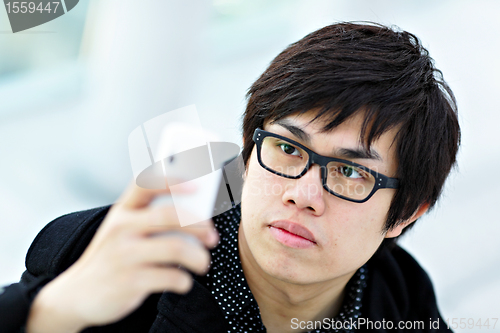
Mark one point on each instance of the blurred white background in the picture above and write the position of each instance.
(73, 89)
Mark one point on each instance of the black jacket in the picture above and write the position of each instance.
(398, 290)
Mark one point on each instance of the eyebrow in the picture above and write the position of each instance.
(297, 131)
(359, 153)
(346, 153)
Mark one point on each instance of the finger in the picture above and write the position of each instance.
(175, 249)
(207, 236)
(159, 279)
(136, 197)
(157, 220)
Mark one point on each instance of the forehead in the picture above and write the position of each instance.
(347, 136)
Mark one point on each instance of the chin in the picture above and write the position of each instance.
(282, 265)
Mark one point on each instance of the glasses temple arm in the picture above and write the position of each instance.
(392, 183)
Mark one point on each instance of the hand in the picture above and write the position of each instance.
(123, 265)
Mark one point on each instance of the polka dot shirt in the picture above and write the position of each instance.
(230, 289)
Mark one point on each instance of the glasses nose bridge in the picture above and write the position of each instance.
(315, 158)
(318, 160)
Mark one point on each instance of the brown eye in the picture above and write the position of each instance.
(289, 149)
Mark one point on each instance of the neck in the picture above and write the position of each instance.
(281, 301)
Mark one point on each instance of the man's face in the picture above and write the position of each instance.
(344, 234)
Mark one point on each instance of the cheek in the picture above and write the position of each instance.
(353, 233)
(260, 183)
(252, 194)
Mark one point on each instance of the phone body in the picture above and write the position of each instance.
(201, 159)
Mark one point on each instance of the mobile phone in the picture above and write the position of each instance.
(196, 157)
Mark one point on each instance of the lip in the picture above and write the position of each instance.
(292, 234)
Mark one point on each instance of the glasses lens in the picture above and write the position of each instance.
(283, 157)
(349, 181)
(288, 159)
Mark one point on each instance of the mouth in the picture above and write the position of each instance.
(292, 234)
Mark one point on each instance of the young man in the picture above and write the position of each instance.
(349, 136)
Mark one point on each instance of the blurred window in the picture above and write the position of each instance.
(40, 62)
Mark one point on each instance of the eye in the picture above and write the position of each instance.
(289, 149)
(350, 171)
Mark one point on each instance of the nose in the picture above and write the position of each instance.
(306, 192)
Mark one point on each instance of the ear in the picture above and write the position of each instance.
(397, 230)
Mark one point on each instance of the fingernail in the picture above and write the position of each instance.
(213, 238)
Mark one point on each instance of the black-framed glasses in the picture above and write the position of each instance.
(344, 179)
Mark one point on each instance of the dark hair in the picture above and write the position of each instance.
(348, 68)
